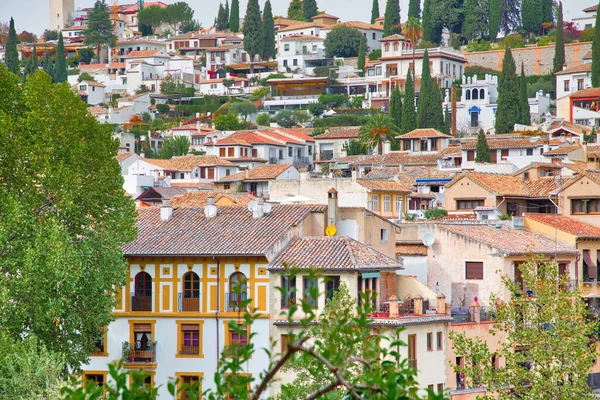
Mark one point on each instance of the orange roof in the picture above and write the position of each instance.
(423, 133)
(302, 25)
(199, 198)
(298, 134)
(562, 150)
(362, 25)
(232, 141)
(390, 185)
(123, 156)
(591, 92)
(346, 132)
(411, 249)
(391, 38)
(586, 67)
(142, 53)
(510, 142)
(566, 224)
(324, 15)
(263, 172)
(301, 38)
(280, 137)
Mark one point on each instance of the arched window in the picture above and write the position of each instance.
(238, 290)
(396, 46)
(481, 94)
(387, 47)
(468, 94)
(475, 94)
(143, 284)
(191, 292)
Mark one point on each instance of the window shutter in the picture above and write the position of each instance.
(474, 270)
(189, 327)
(142, 328)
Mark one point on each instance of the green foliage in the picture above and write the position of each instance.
(152, 16)
(60, 229)
(544, 336)
(228, 122)
(481, 45)
(409, 114)
(268, 30)
(430, 113)
(375, 54)
(446, 13)
(362, 50)
(524, 115)
(396, 108)
(512, 41)
(378, 129)
(192, 25)
(11, 58)
(142, 89)
(495, 18)
(295, 11)
(435, 213)
(374, 11)
(263, 119)
(244, 108)
(50, 35)
(32, 63)
(547, 85)
(341, 120)
(391, 23)
(253, 36)
(163, 108)
(431, 32)
(325, 71)
(596, 54)
(288, 118)
(334, 100)
(342, 41)
(505, 217)
(508, 111)
(587, 35)
(85, 77)
(177, 14)
(226, 14)
(60, 63)
(547, 11)
(264, 81)
(86, 55)
(309, 9)
(171, 85)
(316, 109)
(426, 44)
(414, 9)
(221, 20)
(234, 16)
(48, 65)
(176, 146)
(355, 147)
(531, 16)
(99, 30)
(356, 102)
(482, 150)
(475, 23)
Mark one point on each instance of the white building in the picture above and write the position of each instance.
(151, 66)
(92, 93)
(569, 82)
(300, 53)
(589, 18)
(215, 86)
(125, 47)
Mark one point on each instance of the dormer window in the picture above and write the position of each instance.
(387, 47)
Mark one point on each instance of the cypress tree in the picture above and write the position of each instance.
(409, 115)
(226, 14)
(547, 11)
(524, 104)
(391, 24)
(11, 57)
(48, 64)
(430, 113)
(362, 53)
(429, 27)
(32, 64)
(414, 9)
(374, 11)
(559, 46)
(221, 18)
(531, 15)
(253, 37)
(596, 54)
(309, 9)
(234, 16)
(495, 17)
(396, 107)
(423, 92)
(482, 150)
(268, 31)
(508, 103)
(60, 64)
(100, 30)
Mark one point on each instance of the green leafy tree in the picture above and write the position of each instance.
(171, 85)
(152, 16)
(342, 41)
(547, 343)
(48, 64)
(414, 9)
(228, 122)
(288, 118)
(374, 11)
(509, 110)
(391, 23)
(86, 55)
(295, 11)
(525, 114)
(435, 213)
(547, 11)
(596, 54)
(396, 106)
(587, 35)
(431, 32)
(99, 30)
(309, 9)
(191, 25)
(32, 63)
(430, 113)
(50, 35)
(60, 61)
(355, 147)
(316, 109)
(177, 14)
(176, 146)
(253, 35)
(263, 119)
(234, 16)
(409, 114)
(495, 18)
(244, 108)
(482, 150)
(475, 22)
(11, 58)
(72, 246)
(362, 54)
(27, 37)
(378, 129)
(85, 77)
(268, 30)
(559, 46)
(227, 14)
(449, 14)
(531, 15)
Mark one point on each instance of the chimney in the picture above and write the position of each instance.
(393, 307)
(247, 173)
(387, 147)
(210, 211)
(441, 306)
(344, 152)
(166, 211)
(332, 207)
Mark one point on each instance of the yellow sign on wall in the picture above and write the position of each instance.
(330, 230)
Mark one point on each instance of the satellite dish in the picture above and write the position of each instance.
(252, 205)
(428, 239)
(267, 207)
(210, 211)
(331, 230)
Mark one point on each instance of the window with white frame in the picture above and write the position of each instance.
(374, 202)
(387, 203)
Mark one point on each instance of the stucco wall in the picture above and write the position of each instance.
(350, 193)
(467, 189)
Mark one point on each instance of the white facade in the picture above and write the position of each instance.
(296, 52)
(126, 142)
(149, 70)
(60, 13)
(569, 81)
(124, 47)
(92, 93)
(216, 87)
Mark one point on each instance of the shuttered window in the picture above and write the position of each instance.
(473, 270)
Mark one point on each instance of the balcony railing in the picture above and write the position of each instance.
(189, 303)
(189, 350)
(141, 303)
(139, 352)
(326, 156)
(273, 160)
(302, 160)
(234, 301)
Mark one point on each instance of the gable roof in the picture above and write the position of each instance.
(347, 132)
(589, 92)
(510, 142)
(423, 133)
(233, 231)
(536, 165)
(144, 53)
(301, 38)
(336, 253)
(297, 134)
(387, 185)
(562, 150)
(586, 67)
(199, 198)
(161, 193)
(187, 163)
(566, 224)
(123, 156)
(260, 173)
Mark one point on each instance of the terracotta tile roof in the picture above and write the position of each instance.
(514, 142)
(97, 110)
(389, 185)
(234, 231)
(142, 53)
(248, 159)
(279, 137)
(451, 151)
(256, 139)
(586, 67)
(391, 37)
(423, 133)
(347, 132)
(324, 15)
(122, 156)
(231, 141)
(362, 25)
(566, 224)
(577, 167)
(562, 150)
(403, 158)
(357, 159)
(260, 173)
(94, 83)
(193, 127)
(456, 216)
(199, 198)
(298, 134)
(548, 185)
(590, 92)
(591, 8)
(159, 193)
(588, 55)
(514, 186)
(510, 241)
(418, 195)
(537, 165)
(285, 21)
(336, 253)
(301, 38)
(164, 164)
(187, 163)
(302, 25)
(411, 249)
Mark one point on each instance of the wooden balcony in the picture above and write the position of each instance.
(189, 303)
(141, 303)
(139, 352)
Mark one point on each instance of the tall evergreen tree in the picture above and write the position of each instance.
(525, 114)
(547, 11)
(495, 18)
(99, 30)
(414, 9)
(234, 16)
(531, 15)
(32, 63)
(295, 10)
(559, 46)
(423, 91)
(474, 24)
(396, 106)
(482, 150)
(226, 14)
(362, 53)
(221, 18)
(391, 24)
(253, 36)
(48, 64)
(11, 58)
(430, 113)
(309, 9)
(596, 54)
(409, 115)
(508, 103)
(268, 31)
(60, 63)
(374, 11)
(431, 31)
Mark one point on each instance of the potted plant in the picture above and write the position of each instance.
(126, 352)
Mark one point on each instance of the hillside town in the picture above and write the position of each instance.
(430, 167)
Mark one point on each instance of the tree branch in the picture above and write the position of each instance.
(323, 390)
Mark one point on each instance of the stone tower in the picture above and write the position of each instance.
(60, 12)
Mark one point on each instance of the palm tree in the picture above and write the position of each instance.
(378, 129)
(413, 31)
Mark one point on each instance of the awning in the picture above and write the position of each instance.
(370, 275)
(340, 166)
